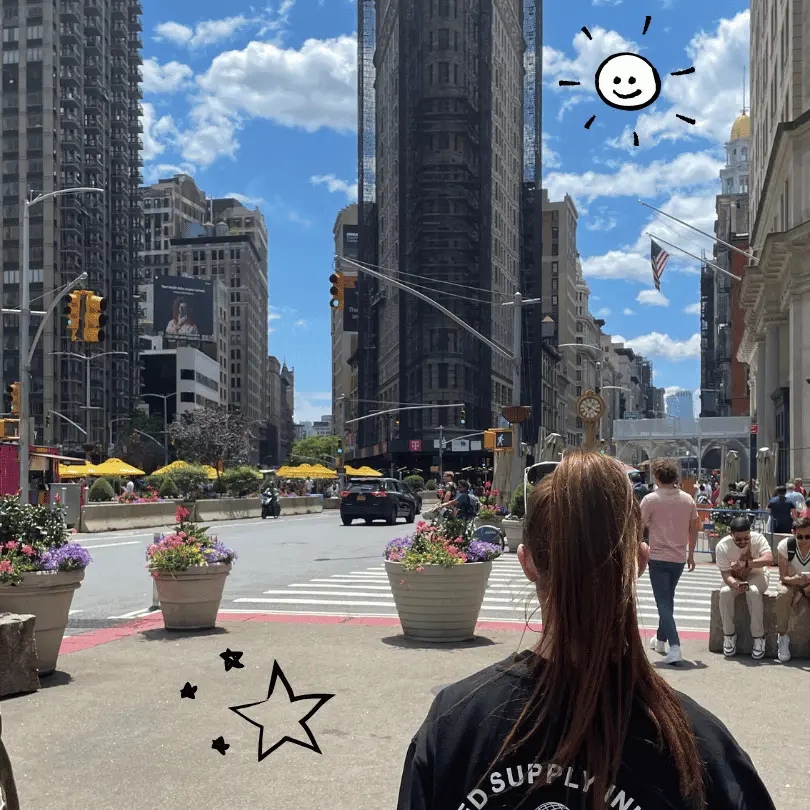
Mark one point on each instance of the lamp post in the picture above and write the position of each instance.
(165, 398)
(26, 351)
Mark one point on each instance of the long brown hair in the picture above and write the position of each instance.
(583, 530)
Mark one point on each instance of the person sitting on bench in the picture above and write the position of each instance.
(794, 572)
(743, 558)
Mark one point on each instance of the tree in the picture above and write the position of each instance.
(211, 435)
(137, 449)
(315, 450)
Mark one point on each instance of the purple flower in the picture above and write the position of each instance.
(71, 557)
(217, 553)
(395, 550)
(479, 551)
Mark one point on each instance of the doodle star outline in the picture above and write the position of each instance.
(278, 675)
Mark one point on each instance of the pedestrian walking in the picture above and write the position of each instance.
(583, 715)
(671, 517)
(783, 512)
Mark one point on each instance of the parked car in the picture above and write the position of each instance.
(377, 499)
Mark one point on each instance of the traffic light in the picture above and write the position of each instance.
(340, 447)
(94, 319)
(14, 393)
(73, 310)
(336, 291)
(396, 421)
(463, 419)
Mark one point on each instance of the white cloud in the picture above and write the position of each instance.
(686, 171)
(652, 298)
(674, 389)
(154, 171)
(173, 32)
(244, 199)
(311, 407)
(628, 311)
(603, 312)
(692, 309)
(336, 184)
(663, 346)
(156, 132)
(168, 78)
(607, 2)
(205, 33)
(301, 322)
(273, 316)
(551, 159)
(711, 95)
(601, 224)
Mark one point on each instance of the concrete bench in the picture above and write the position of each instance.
(18, 654)
(798, 630)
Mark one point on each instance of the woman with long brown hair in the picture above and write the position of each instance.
(583, 720)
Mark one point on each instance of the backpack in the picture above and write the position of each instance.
(467, 508)
(640, 491)
(791, 548)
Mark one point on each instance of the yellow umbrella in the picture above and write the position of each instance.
(169, 467)
(116, 467)
(369, 472)
(212, 472)
(352, 470)
(76, 471)
(319, 471)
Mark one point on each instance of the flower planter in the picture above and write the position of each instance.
(514, 533)
(190, 599)
(439, 604)
(48, 596)
(496, 521)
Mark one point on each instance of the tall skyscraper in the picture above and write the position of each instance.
(441, 164)
(679, 405)
(71, 117)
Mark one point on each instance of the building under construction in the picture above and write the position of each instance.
(448, 135)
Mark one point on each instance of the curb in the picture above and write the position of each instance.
(96, 638)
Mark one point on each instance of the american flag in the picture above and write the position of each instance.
(659, 258)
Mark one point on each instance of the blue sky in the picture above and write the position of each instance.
(260, 102)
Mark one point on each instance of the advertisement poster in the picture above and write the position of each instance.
(184, 307)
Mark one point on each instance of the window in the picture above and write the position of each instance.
(34, 54)
(555, 232)
(11, 57)
(554, 283)
(579, 390)
(555, 268)
(444, 8)
(443, 381)
(444, 72)
(34, 32)
(444, 39)
(11, 34)
(554, 300)
(186, 396)
(580, 327)
(555, 249)
(186, 374)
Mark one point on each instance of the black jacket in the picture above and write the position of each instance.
(470, 720)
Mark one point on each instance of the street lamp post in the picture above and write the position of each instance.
(165, 398)
(26, 352)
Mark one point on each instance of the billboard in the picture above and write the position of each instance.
(351, 304)
(351, 242)
(184, 307)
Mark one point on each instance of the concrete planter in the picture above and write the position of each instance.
(190, 599)
(497, 522)
(514, 533)
(439, 604)
(429, 496)
(48, 596)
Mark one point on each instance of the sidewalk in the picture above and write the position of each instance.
(109, 730)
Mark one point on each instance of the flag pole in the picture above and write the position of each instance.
(702, 261)
(708, 236)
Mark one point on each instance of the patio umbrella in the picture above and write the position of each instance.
(115, 467)
(553, 447)
(319, 471)
(729, 472)
(175, 465)
(77, 471)
(367, 471)
(766, 474)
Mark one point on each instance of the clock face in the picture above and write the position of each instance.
(590, 408)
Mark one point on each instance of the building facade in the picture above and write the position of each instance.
(775, 291)
(71, 117)
(679, 405)
(724, 390)
(448, 144)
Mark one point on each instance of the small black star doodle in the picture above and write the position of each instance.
(188, 691)
(220, 745)
(232, 659)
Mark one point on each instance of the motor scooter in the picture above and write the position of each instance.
(270, 505)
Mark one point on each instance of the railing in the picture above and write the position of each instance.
(713, 427)
(760, 520)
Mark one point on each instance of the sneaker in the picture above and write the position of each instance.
(783, 649)
(673, 656)
(758, 650)
(658, 645)
(730, 645)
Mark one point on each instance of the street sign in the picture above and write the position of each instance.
(416, 445)
(475, 445)
(755, 428)
(460, 445)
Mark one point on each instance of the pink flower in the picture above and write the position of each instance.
(12, 544)
(75, 530)
(496, 492)
(6, 567)
(28, 551)
(181, 514)
(419, 569)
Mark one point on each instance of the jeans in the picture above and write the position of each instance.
(664, 578)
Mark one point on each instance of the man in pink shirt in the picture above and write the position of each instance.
(671, 517)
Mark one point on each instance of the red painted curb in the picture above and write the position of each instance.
(96, 638)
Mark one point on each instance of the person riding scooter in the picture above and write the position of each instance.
(270, 501)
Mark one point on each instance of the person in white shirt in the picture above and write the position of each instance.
(795, 497)
(793, 554)
(743, 558)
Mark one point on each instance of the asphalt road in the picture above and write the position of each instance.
(271, 554)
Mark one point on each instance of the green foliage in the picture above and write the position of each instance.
(415, 482)
(314, 450)
(431, 485)
(516, 503)
(210, 435)
(219, 487)
(155, 481)
(241, 481)
(190, 478)
(101, 491)
(168, 489)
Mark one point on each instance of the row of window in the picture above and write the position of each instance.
(13, 34)
(13, 57)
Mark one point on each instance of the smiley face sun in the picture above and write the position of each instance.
(627, 81)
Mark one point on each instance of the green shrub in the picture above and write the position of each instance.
(101, 491)
(189, 478)
(155, 481)
(516, 503)
(168, 489)
(241, 481)
(219, 487)
(431, 485)
(115, 483)
(415, 482)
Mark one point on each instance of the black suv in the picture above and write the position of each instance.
(378, 499)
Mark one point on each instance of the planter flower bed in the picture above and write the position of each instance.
(189, 569)
(438, 577)
(150, 496)
(39, 571)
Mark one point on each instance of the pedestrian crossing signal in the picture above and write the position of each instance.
(463, 419)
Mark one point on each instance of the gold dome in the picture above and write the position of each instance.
(741, 128)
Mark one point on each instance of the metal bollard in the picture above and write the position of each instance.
(155, 600)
